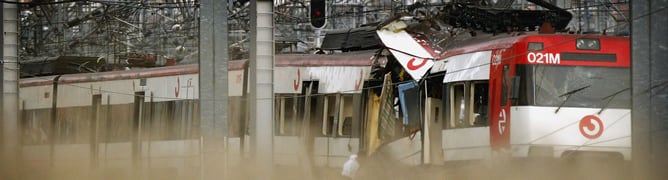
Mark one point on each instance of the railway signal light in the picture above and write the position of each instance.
(318, 13)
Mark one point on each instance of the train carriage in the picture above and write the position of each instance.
(113, 119)
(537, 95)
(151, 116)
(492, 95)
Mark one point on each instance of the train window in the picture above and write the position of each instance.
(279, 117)
(346, 127)
(95, 118)
(458, 106)
(287, 111)
(479, 104)
(138, 118)
(505, 85)
(526, 85)
(183, 119)
(69, 125)
(138, 111)
(170, 120)
(158, 120)
(35, 127)
(346, 111)
(445, 93)
(118, 123)
(535, 46)
(237, 116)
(310, 112)
(330, 114)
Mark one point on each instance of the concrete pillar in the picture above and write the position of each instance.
(213, 92)
(649, 37)
(10, 90)
(261, 87)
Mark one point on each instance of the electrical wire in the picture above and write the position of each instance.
(428, 77)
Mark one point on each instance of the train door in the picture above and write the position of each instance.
(338, 136)
(310, 121)
(466, 98)
(466, 134)
(501, 80)
(287, 126)
(433, 153)
(295, 117)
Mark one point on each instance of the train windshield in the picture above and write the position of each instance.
(575, 86)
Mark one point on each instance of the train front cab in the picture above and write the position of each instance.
(570, 97)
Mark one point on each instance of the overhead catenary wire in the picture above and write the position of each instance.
(426, 77)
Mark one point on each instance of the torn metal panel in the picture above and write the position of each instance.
(403, 42)
(414, 54)
(415, 66)
(408, 97)
(439, 66)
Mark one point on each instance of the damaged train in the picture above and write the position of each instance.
(420, 94)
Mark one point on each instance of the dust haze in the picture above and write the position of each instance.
(73, 161)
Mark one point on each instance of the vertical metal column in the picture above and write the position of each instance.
(10, 70)
(261, 87)
(2, 71)
(2, 77)
(221, 59)
(213, 92)
(649, 37)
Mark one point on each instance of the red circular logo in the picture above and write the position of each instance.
(591, 126)
(412, 66)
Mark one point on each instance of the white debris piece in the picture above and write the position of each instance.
(350, 167)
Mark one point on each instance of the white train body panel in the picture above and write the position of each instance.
(168, 88)
(541, 126)
(333, 79)
(333, 152)
(466, 144)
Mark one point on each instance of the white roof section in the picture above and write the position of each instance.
(470, 66)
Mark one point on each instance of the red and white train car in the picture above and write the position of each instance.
(526, 95)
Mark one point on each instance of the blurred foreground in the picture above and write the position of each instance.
(372, 168)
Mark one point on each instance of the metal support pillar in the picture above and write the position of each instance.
(261, 87)
(649, 36)
(10, 71)
(2, 71)
(213, 92)
(2, 77)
